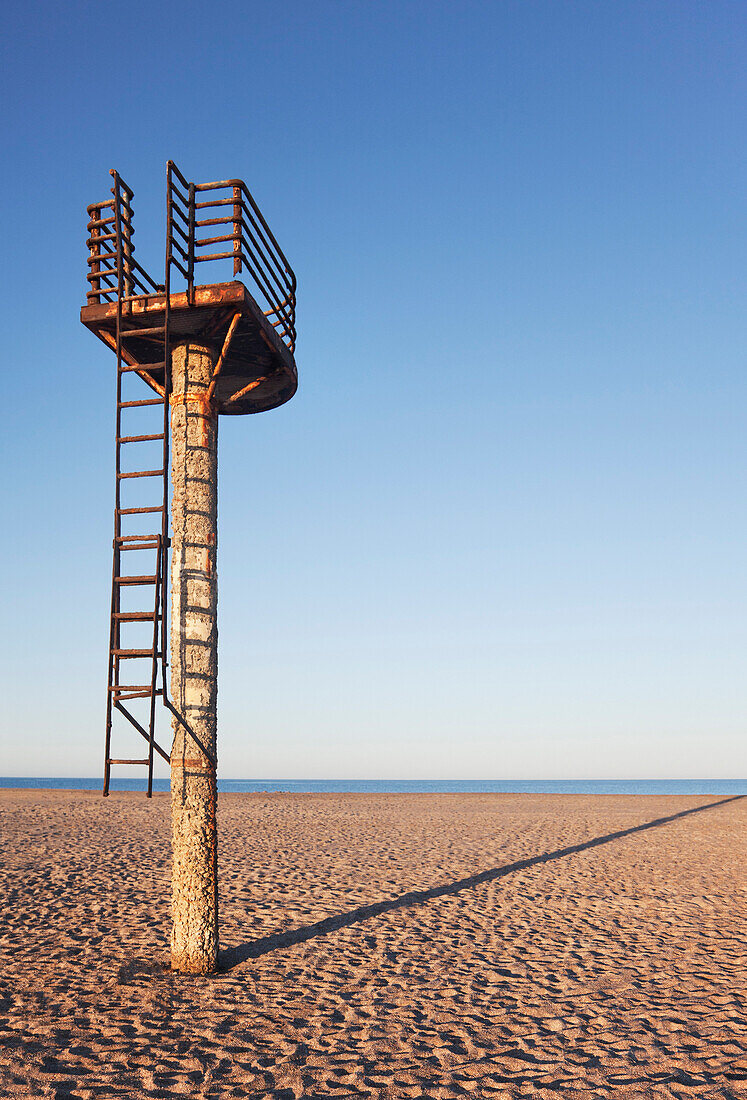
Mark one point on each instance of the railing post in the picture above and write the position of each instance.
(191, 246)
(237, 234)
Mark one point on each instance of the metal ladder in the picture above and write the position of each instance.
(153, 583)
(116, 278)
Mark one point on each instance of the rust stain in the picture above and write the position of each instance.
(205, 408)
(247, 389)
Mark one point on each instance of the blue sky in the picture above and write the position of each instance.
(500, 531)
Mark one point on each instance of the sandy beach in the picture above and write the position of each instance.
(380, 946)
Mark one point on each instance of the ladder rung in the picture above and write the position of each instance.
(136, 580)
(135, 653)
(133, 687)
(158, 331)
(112, 761)
(141, 546)
(138, 438)
(138, 511)
(136, 538)
(139, 404)
(135, 616)
(127, 368)
(142, 473)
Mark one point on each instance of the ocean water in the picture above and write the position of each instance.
(411, 786)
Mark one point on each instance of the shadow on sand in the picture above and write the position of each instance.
(236, 955)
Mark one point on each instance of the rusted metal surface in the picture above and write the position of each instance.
(142, 322)
(116, 273)
(247, 389)
(256, 350)
(222, 356)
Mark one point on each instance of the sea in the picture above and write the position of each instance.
(694, 787)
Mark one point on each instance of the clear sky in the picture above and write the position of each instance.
(500, 531)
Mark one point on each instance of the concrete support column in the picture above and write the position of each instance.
(194, 662)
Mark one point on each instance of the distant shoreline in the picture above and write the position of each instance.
(393, 786)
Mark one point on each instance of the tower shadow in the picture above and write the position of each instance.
(233, 956)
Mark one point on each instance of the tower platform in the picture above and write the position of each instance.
(251, 368)
(256, 357)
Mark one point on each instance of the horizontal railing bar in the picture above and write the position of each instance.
(102, 273)
(230, 201)
(106, 273)
(218, 240)
(216, 184)
(215, 256)
(212, 221)
(214, 202)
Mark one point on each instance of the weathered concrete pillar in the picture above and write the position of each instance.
(194, 662)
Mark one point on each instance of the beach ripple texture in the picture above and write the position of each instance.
(439, 945)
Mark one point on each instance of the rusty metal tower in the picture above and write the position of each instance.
(195, 351)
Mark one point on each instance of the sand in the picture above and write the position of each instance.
(380, 946)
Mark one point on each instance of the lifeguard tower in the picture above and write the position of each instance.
(185, 353)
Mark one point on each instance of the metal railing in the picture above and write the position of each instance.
(246, 240)
(114, 273)
(240, 234)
